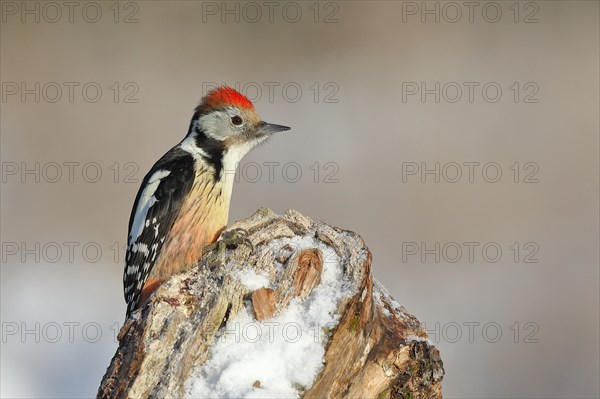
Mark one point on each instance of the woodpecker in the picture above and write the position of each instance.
(183, 202)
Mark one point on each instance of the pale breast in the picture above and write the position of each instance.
(202, 217)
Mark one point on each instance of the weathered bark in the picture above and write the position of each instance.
(378, 350)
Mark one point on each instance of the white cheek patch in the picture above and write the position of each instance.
(147, 199)
(216, 124)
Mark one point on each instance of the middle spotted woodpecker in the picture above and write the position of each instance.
(183, 202)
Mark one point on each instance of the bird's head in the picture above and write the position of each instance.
(226, 120)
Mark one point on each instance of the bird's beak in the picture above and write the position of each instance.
(270, 128)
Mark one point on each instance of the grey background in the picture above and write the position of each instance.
(365, 58)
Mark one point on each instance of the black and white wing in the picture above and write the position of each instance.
(156, 207)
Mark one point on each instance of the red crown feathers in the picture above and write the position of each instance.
(223, 97)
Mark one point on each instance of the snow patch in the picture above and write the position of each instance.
(285, 353)
(413, 338)
(379, 291)
(252, 280)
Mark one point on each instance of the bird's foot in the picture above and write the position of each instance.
(228, 240)
(236, 237)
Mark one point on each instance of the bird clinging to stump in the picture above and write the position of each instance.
(183, 202)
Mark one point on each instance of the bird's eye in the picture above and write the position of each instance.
(236, 120)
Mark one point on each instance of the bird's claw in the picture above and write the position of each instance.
(236, 237)
(229, 240)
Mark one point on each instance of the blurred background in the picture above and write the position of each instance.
(459, 139)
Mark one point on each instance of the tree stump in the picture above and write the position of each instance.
(280, 306)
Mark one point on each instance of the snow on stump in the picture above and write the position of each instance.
(280, 306)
